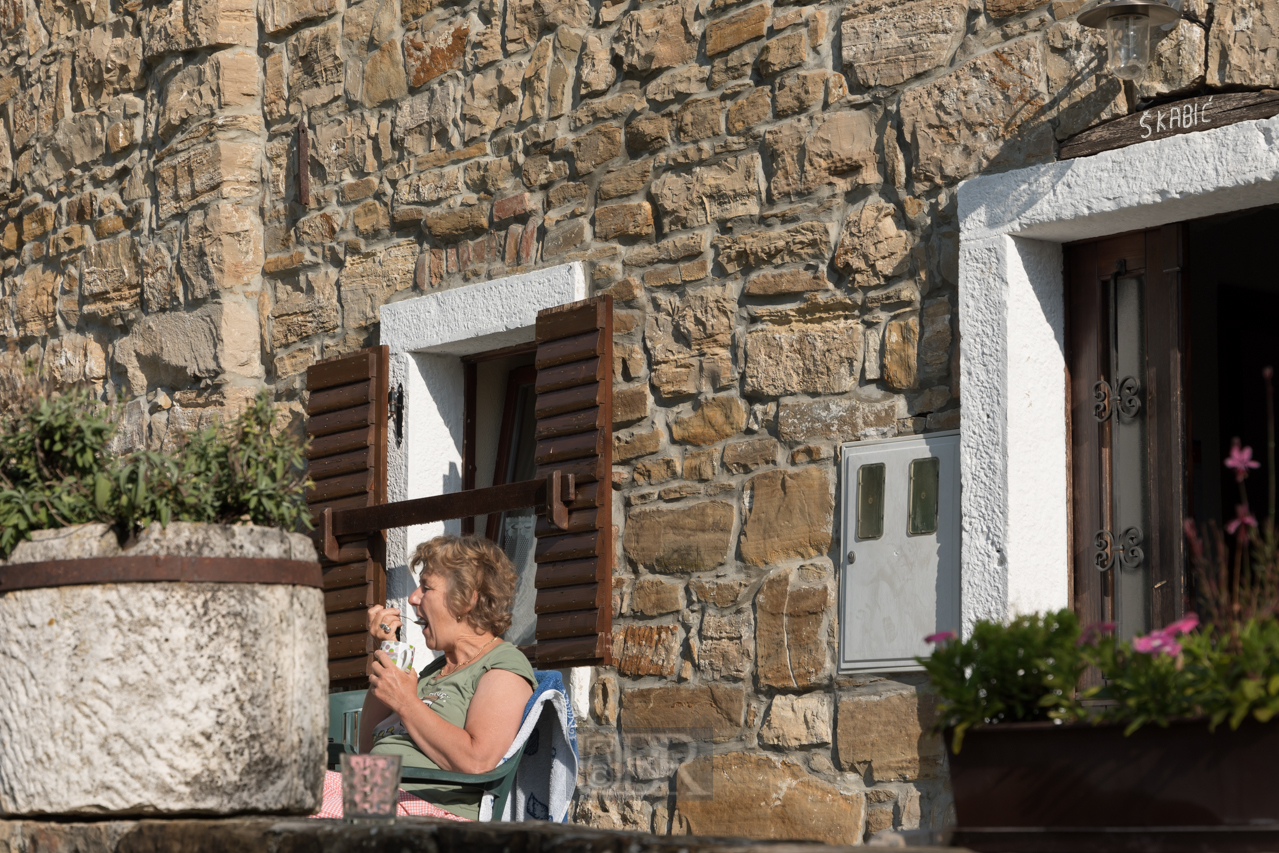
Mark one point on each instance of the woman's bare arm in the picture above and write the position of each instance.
(492, 720)
(373, 712)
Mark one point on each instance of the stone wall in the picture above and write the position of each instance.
(766, 189)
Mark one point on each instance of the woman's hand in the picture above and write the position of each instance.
(383, 622)
(390, 685)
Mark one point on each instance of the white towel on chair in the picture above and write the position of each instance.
(547, 775)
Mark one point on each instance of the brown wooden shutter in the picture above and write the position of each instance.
(347, 418)
(574, 412)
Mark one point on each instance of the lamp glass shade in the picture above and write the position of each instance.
(1128, 39)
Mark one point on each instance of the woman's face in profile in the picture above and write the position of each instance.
(429, 600)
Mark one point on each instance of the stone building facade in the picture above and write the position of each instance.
(768, 190)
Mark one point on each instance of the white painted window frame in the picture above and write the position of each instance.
(1013, 441)
(426, 337)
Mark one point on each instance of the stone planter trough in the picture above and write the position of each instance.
(184, 676)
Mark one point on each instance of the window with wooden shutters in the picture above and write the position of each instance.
(574, 434)
(347, 423)
(1126, 358)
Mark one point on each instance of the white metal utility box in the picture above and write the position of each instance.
(899, 571)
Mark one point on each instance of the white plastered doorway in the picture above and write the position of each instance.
(1013, 455)
(427, 338)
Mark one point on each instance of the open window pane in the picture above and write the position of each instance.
(870, 501)
(924, 479)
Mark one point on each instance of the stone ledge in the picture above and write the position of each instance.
(303, 835)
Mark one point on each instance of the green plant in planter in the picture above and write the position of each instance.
(1020, 672)
(1226, 670)
(56, 470)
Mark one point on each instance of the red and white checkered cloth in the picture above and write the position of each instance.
(407, 805)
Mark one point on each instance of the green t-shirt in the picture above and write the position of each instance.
(450, 697)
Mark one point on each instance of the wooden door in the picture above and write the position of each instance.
(1126, 357)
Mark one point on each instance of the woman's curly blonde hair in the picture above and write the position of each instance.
(471, 566)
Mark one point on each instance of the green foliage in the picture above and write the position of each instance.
(1019, 672)
(1225, 677)
(56, 469)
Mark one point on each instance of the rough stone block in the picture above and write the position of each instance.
(808, 241)
(595, 148)
(790, 632)
(662, 35)
(765, 797)
(648, 133)
(316, 69)
(751, 111)
(174, 349)
(565, 237)
(1241, 44)
(783, 52)
(901, 348)
(727, 645)
(727, 33)
(280, 15)
(803, 357)
(790, 516)
(745, 456)
(110, 277)
(655, 596)
(873, 246)
(369, 278)
(838, 419)
(834, 150)
(981, 114)
(885, 736)
(449, 226)
(659, 712)
(625, 181)
(623, 220)
(647, 649)
(717, 193)
(795, 721)
(218, 170)
(108, 61)
(1176, 62)
(222, 248)
(493, 99)
(685, 539)
(714, 420)
(636, 445)
(428, 55)
(35, 304)
(700, 118)
(799, 91)
(786, 282)
(887, 46)
(193, 24)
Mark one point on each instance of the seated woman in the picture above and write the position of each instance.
(463, 712)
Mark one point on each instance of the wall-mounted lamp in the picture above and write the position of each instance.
(1127, 24)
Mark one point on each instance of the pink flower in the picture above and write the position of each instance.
(1240, 459)
(1160, 642)
(1242, 517)
(1183, 625)
(940, 637)
(1095, 632)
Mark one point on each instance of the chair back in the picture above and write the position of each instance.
(344, 718)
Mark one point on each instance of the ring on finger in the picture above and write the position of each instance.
(385, 627)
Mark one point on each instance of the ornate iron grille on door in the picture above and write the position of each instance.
(1120, 416)
(1124, 348)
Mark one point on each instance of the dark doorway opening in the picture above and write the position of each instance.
(1233, 327)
